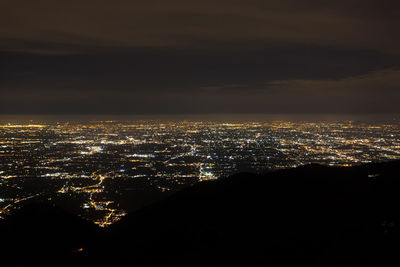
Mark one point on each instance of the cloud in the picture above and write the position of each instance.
(377, 91)
(387, 80)
(169, 69)
(160, 56)
(353, 24)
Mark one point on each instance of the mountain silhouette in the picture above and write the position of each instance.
(42, 235)
(307, 216)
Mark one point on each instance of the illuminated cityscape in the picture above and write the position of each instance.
(95, 168)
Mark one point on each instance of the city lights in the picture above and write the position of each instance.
(95, 166)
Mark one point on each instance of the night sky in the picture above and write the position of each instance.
(208, 56)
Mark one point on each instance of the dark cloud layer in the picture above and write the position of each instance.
(199, 56)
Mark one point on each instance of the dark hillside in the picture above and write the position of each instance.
(42, 235)
(311, 215)
(307, 216)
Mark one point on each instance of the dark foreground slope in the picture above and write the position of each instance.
(308, 216)
(312, 215)
(42, 235)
